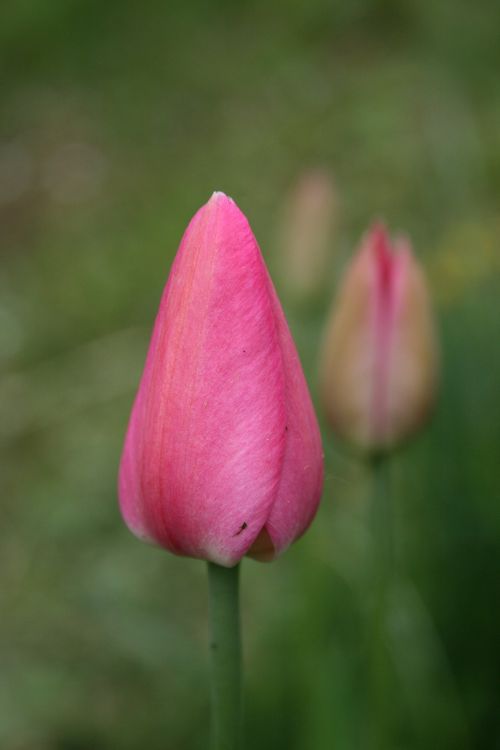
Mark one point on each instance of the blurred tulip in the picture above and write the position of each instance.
(306, 233)
(223, 454)
(379, 360)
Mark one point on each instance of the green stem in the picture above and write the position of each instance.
(225, 646)
(382, 523)
(383, 568)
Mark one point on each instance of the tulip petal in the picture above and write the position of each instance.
(301, 481)
(412, 381)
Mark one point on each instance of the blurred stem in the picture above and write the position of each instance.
(382, 568)
(225, 646)
(382, 522)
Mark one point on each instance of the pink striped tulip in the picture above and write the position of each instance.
(223, 454)
(379, 361)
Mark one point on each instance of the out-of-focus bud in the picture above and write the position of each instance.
(379, 364)
(223, 454)
(305, 238)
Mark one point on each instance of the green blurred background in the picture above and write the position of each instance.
(118, 119)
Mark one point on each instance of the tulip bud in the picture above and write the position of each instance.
(379, 360)
(305, 238)
(223, 454)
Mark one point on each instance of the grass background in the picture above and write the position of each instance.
(117, 121)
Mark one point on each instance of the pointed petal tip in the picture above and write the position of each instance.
(380, 241)
(219, 195)
(218, 205)
(220, 202)
(379, 226)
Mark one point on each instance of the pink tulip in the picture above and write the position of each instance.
(223, 454)
(379, 364)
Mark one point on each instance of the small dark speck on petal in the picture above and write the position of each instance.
(242, 528)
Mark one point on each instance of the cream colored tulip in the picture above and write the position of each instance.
(306, 233)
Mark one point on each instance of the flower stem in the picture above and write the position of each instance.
(225, 646)
(383, 569)
(381, 512)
